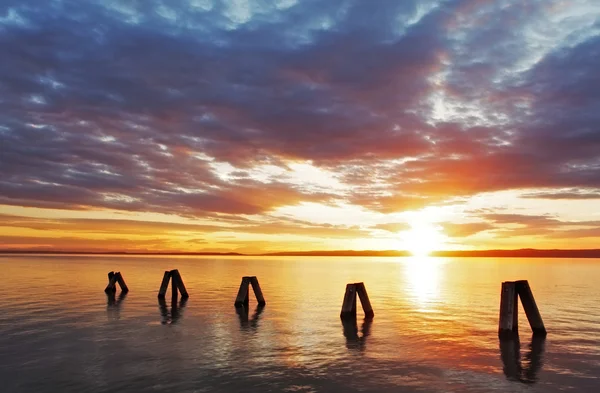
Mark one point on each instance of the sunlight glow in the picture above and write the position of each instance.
(422, 239)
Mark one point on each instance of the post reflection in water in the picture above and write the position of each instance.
(249, 323)
(171, 317)
(353, 340)
(113, 305)
(522, 370)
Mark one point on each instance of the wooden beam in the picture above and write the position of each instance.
(162, 292)
(531, 310)
(112, 279)
(121, 282)
(508, 310)
(257, 291)
(364, 300)
(242, 298)
(174, 288)
(180, 285)
(349, 303)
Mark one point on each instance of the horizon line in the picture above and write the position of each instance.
(499, 253)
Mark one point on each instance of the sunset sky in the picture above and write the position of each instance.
(270, 125)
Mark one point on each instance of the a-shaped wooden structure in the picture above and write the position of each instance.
(176, 285)
(113, 279)
(243, 297)
(509, 309)
(349, 304)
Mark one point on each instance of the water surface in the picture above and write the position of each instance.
(435, 326)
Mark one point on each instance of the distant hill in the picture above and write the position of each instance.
(58, 252)
(521, 253)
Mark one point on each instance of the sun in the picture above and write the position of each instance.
(422, 239)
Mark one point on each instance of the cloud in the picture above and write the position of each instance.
(511, 225)
(392, 227)
(139, 106)
(561, 195)
(465, 230)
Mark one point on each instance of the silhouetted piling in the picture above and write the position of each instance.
(180, 285)
(176, 285)
(121, 282)
(243, 296)
(349, 302)
(531, 309)
(162, 292)
(113, 279)
(111, 283)
(361, 291)
(509, 309)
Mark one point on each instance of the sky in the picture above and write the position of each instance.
(271, 125)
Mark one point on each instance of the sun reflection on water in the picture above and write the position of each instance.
(423, 281)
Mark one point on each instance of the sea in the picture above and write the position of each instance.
(435, 327)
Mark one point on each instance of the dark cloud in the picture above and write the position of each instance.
(128, 105)
(512, 225)
(568, 194)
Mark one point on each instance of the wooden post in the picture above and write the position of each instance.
(121, 282)
(349, 303)
(162, 292)
(180, 285)
(508, 310)
(364, 300)
(242, 298)
(174, 286)
(112, 279)
(530, 307)
(257, 291)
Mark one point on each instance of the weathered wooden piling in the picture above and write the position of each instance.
(176, 285)
(243, 296)
(361, 291)
(530, 307)
(509, 309)
(121, 282)
(349, 302)
(180, 285)
(174, 288)
(113, 279)
(111, 283)
(162, 292)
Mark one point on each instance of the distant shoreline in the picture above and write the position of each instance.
(520, 253)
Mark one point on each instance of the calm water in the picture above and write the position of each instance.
(435, 326)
